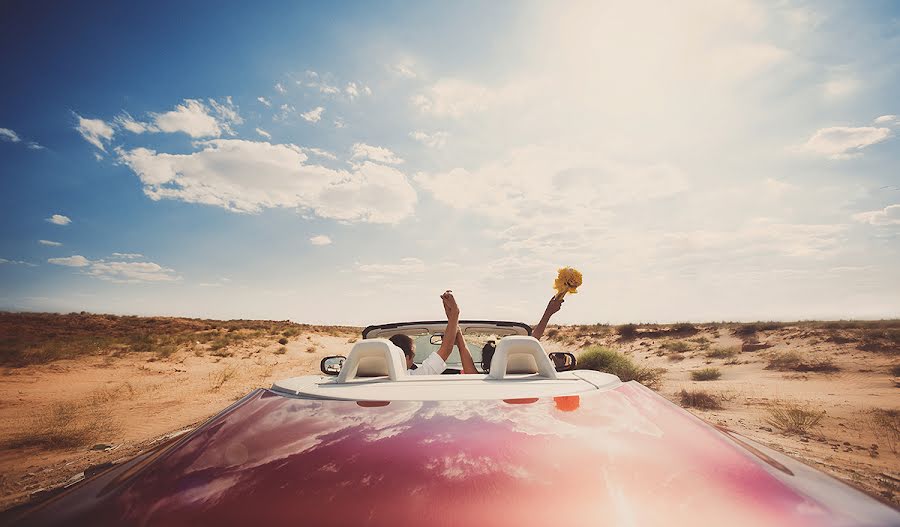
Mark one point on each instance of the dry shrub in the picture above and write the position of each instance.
(722, 353)
(676, 346)
(291, 332)
(793, 361)
(792, 418)
(627, 331)
(699, 399)
(311, 349)
(886, 425)
(218, 378)
(706, 374)
(62, 426)
(283, 341)
(609, 361)
(281, 350)
(895, 370)
(552, 333)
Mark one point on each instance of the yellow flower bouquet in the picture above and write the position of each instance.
(567, 281)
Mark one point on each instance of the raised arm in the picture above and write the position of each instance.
(464, 356)
(452, 311)
(553, 306)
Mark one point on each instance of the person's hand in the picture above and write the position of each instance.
(450, 307)
(553, 306)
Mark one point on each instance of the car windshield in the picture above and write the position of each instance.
(428, 343)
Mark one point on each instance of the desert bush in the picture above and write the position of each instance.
(61, 426)
(552, 333)
(886, 425)
(677, 346)
(609, 361)
(699, 399)
(283, 341)
(684, 328)
(793, 361)
(791, 418)
(281, 350)
(627, 331)
(291, 332)
(881, 340)
(895, 370)
(706, 374)
(722, 353)
(311, 348)
(220, 377)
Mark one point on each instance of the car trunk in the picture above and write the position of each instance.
(624, 456)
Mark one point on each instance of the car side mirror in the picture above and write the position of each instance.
(563, 361)
(437, 339)
(332, 365)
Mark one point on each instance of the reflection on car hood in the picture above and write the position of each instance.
(620, 457)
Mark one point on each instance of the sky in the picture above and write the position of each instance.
(348, 162)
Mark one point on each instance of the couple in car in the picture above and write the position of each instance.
(435, 363)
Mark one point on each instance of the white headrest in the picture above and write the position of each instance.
(374, 358)
(520, 354)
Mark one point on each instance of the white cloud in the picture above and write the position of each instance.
(378, 154)
(263, 133)
(286, 111)
(131, 272)
(228, 114)
(71, 261)
(248, 176)
(339, 123)
(95, 131)
(404, 266)
(886, 119)
(529, 180)
(128, 256)
(192, 117)
(889, 215)
(280, 88)
(431, 140)
(319, 153)
(313, 115)
(118, 271)
(453, 98)
(266, 102)
(4, 261)
(320, 239)
(844, 142)
(841, 87)
(59, 219)
(126, 121)
(354, 90)
(8, 135)
(404, 68)
(316, 81)
(49, 243)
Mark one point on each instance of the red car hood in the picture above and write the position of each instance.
(619, 457)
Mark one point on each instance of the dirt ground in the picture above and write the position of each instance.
(65, 416)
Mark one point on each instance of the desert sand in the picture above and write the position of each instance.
(67, 411)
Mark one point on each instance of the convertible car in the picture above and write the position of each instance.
(533, 442)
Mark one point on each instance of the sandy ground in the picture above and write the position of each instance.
(132, 401)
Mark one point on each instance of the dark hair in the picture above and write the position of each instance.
(403, 342)
(487, 353)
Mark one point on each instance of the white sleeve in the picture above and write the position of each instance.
(432, 365)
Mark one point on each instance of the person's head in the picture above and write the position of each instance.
(487, 354)
(405, 343)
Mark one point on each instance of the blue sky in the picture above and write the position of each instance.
(347, 163)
